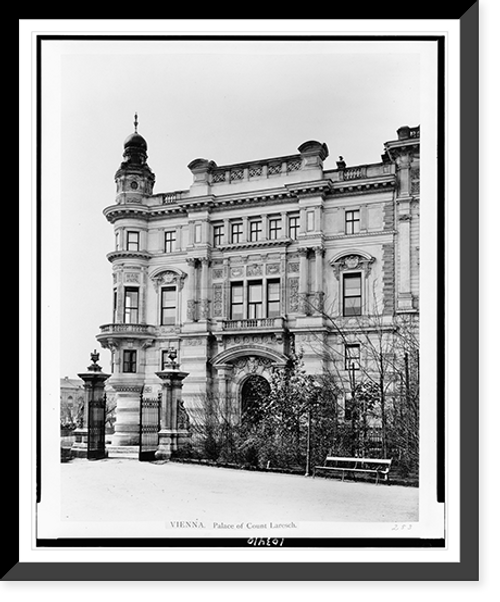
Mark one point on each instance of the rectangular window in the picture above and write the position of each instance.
(237, 232)
(352, 356)
(129, 360)
(274, 228)
(168, 305)
(132, 241)
(254, 300)
(218, 235)
(352, 294)
(352, 222)
(170, 241)
(255, 230)
(131, 306)
(293, 226)
(273, 298)
(236, 301)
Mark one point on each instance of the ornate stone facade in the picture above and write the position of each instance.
(254, 259)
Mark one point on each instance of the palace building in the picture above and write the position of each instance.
(253, 261)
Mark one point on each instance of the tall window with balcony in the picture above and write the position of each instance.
(352, 294)
(170, 241)
(255, 230)
(132, 240)
(131, 306)
(273, 298)
(168, 305)
(352, 221)
(236, 301)
(274, 228)
(254, 306)
(237, 232)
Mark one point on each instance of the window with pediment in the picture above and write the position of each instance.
(352, 271)
(168, 285)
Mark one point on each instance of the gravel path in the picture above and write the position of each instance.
(122, 489)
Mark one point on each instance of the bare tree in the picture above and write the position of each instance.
(373, 359)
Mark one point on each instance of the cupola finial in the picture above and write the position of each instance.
(136, 123)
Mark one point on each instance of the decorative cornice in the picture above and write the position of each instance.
(359, 235)
(349, 188)
(128, 255)
(280, 242)
(302, 189)
(115, 212)
(255, 198)
(158, 212)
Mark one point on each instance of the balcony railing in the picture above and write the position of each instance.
(129, 329)
(261, 169)
(259, 323)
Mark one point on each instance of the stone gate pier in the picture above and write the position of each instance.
(173, 417)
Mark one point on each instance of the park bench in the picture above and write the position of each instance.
(377, 466)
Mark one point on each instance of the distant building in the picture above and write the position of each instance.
(255, 260)
(71, 400)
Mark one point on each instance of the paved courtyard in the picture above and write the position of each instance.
(128, 490)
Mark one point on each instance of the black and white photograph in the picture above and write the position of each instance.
(240, 246)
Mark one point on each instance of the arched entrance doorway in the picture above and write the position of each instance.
(255, 388)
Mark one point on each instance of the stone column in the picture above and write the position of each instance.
(203, 296)
(404, 297)
(172, 380)
(246, 237)
(265, 227)
(403, 217)
(125, 440)
(320, 291)
(224, 374)
(284, 225)
(93, 384)
(191, 289)
(303, 279)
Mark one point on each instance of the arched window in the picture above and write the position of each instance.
(254, 391)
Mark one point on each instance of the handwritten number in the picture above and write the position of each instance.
(265, 541)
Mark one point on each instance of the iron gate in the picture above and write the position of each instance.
(96, 440)
(149, 427)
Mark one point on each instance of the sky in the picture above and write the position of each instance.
(220, 100)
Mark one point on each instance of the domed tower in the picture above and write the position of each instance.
(134, 179)
(128, 336)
